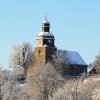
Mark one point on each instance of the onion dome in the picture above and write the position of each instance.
(45, 21)
(45, 28)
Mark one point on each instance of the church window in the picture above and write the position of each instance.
(39, 52)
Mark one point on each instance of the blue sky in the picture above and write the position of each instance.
(75, 24)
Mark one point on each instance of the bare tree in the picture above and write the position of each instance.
(22, 55)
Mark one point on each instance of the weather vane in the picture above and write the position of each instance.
(45, 15)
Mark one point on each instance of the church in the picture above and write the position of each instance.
(46, 48)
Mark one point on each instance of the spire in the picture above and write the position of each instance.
(45, 20)
(45, 25)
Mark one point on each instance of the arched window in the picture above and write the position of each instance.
(39, 52)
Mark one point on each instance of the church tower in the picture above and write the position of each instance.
(45, 44)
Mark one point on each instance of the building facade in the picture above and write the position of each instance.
(45, 44)
(46, 48)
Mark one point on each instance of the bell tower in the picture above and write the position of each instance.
(45, 44)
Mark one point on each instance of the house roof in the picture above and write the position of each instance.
(73, 57)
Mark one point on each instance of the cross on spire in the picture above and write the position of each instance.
(45, 16)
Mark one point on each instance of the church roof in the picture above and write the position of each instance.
(73, 57)
(45, 34)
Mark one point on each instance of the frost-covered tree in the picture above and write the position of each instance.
(22, 55)
(1, 82)
(96, 64)
(78, 89)
(44, 82)
(61, 62)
